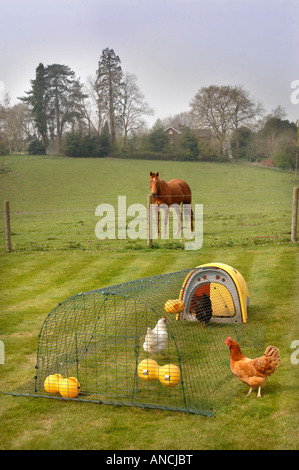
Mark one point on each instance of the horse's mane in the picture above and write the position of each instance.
(161, 184)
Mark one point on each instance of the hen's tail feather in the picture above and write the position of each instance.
(273, 353)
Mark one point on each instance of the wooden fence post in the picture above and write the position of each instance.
(294, 215)
(7, 226)
(149, 220)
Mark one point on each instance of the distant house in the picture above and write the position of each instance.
(174, 134)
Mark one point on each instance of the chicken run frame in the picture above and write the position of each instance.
(98, 337)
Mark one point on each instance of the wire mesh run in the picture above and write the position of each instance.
(102, 339)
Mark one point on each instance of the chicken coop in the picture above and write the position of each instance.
(110, 343)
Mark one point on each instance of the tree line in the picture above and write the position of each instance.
(107, 117)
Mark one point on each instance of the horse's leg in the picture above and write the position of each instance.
(157, 219)
(166, 208)
(191, 219)
(179, 216)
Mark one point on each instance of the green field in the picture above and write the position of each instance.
(53, 201)
(247, 219)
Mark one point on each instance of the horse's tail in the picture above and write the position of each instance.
(187, 194)
(188, 200)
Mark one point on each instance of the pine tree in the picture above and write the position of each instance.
(56, 100)
(158, 140)
(188, 143)
(37, 97)
(108, 85)
(65, 97)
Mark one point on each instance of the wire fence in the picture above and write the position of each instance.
(132, 344)
(40, 226)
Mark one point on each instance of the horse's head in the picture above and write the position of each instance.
(154, 181)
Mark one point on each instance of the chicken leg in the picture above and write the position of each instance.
(259, 393)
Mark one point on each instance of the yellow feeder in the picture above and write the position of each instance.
(169, 375)
(69, 388)
(174, 306)
(51, 383)
(148, 370)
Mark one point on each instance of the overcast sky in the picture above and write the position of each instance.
(174, 47)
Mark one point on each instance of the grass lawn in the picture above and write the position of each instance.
(32, 284)
(34, 281)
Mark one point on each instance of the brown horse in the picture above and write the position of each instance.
(173, 193)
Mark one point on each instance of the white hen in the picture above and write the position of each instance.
(156, 339)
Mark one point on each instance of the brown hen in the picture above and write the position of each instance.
(253, 372)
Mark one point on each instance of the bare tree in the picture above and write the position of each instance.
(245, 112)
(133, 107)
(223, 109)
(16, 124)
(93, 110)
(276, 133)
(211, 108)
(178, 120)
